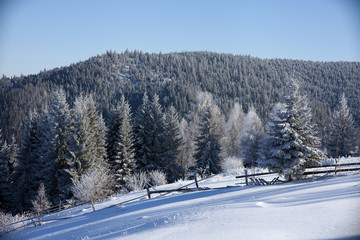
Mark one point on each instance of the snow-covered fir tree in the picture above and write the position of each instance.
(89, 134)
(26, 181)
(63, 146)
(290, 142)
(120, 144)
(7, 162)
(249, 139)
(207, 143)
(150, 135)
(174, 142)
(342, 134)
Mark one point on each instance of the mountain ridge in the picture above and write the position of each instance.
(177, 77)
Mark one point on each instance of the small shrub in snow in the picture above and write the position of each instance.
(157, 178)
(232, 166)
(7, 218)
(41, 202)
(136, 181)
(97, 184)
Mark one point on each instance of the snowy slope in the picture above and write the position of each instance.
(326, 208)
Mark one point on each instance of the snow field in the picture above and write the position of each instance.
(327, 208)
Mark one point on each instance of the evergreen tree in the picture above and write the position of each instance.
(26, 181)
(208, 148)
(7, 154)
(89, 134)
(291, 142)
(120, 144)
(63, 146)
(174, 143)
(249, 138)
(150, 135)
(341, 140)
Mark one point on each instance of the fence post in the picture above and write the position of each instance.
(92, 203)
(246, 178)
(196, 182)
(147, 189)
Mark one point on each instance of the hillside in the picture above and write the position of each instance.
(324, 208)
(177, 78)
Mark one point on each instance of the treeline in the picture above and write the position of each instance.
(70, 149)
(177, 78)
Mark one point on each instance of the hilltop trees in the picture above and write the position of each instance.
(341, 140)
(291, 142)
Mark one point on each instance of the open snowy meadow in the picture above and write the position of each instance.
(316, 208)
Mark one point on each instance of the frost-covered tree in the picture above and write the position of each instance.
(250, 135)
(207, 143)
(174, 142)
(96, 184)
(187, 149)
(26, 180)
(229, 141)
(41, 202)
(63, 147)
(89, 134)
(7, 162)
(120, 144)
(150, 135)
(290, 142)
(341, 140)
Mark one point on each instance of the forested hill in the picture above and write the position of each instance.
(177, 77)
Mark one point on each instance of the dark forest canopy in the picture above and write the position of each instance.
(177, 78)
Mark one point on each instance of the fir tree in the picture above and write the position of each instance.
(208, 149)
(142, 131)
(341, 140)
(7, 153)
(27, 171)
(62, 145)
(120, 144)
(291, 142)
(174, 142)
(150, 135)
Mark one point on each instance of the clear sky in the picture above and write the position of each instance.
(39, 34)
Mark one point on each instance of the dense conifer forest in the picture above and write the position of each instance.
(177, 78)
(100, 126)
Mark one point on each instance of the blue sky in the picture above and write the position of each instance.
(43, 34)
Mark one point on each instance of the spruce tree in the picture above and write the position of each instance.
(6, 169)
(291, 143)
(120, 144)
(141, 132)
(63, 145)
(28, 158)
(208, 148)
(341, 140)
(174, 143)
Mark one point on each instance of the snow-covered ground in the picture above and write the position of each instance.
(323, 208)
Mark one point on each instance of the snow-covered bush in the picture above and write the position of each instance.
(232, 166)
(157, 178)
(7, 218)
(96, 183)
(136, 181)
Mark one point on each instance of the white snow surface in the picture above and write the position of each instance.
(322, 208)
